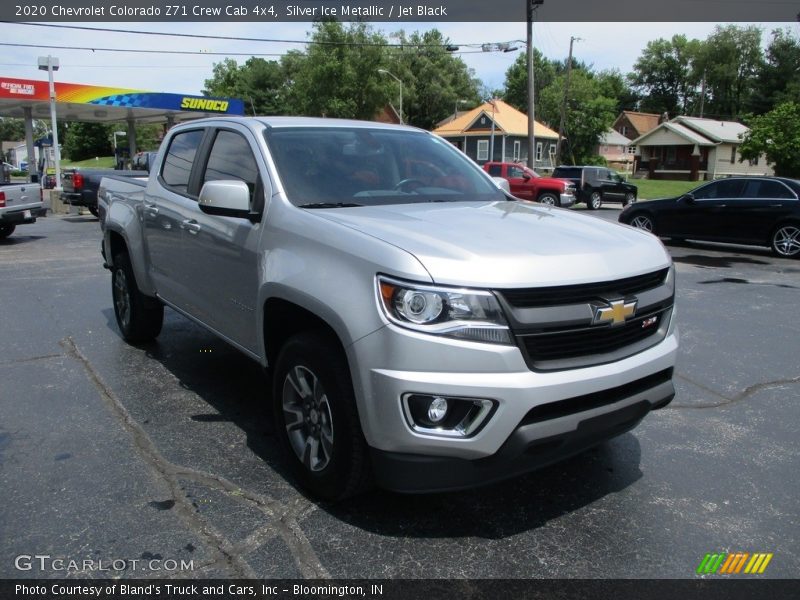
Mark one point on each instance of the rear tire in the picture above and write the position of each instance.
(139, 317)
(316, 419)
(785, 240)
(595, 200)
(549, 199)
(6, 230)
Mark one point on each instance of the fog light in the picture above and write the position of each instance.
(446, 416)
(437, 409)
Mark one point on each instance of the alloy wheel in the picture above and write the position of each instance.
(307, 416)
(786, 241)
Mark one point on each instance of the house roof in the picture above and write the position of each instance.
(451, 118)
(717, 131)
(613, 137)
(642, 122)
(508, 120)
(703, 132)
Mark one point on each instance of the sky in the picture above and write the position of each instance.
(604, 45)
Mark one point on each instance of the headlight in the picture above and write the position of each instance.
(452, 312)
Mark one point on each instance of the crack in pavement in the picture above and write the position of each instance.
(285, 518)
(18, 361)
(727, 400)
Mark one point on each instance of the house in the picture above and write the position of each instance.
(615, 148)
(693, 149)
(635, 124)
(496, 131)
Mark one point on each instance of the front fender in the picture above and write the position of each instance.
(123, 221)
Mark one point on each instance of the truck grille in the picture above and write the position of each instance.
(554, 327)
(577, 294)
(571, 343)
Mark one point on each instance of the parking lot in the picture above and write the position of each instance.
(161, 458)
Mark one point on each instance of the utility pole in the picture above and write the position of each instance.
(564, 103)
(532, 5)
(702, 94)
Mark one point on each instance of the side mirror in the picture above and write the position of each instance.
(687, 198)
(226, 198)
(526, 176)
(502, 184)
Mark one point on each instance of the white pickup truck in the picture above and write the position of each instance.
(20, 203)
(423, 329)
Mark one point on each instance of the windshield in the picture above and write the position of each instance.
(324, 167)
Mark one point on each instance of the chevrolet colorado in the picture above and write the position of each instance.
(20, 203)
(422, 328)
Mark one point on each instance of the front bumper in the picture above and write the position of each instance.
(540, 417)
(567, 200)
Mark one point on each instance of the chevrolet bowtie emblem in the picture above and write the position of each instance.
(615, 312)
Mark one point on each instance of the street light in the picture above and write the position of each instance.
(50, 63)
(398, 80)
(116, 133)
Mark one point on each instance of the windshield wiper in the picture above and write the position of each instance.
(330, 205)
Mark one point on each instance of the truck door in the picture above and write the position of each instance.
(520, 183)
(222, 252)
(162, 215)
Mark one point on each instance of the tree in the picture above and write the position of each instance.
(516, 83)
(589, 113)
(86, 140)
(776, 134)
(12, 130)
(730, 58)
(665, 76)
(778, 79)
(434, 81)
(261, 84)
(614, 85)
(338, 76)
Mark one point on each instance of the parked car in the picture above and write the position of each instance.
(762, 211)
(527, 184)
(596, 185)
(421, 326)
(80, 185)
(20, 203)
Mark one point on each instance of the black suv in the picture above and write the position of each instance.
(595, 185)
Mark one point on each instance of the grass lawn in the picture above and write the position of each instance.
(103, 162)
(651, 189)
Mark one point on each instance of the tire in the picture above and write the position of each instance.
(643, 221)
(313, 392)
(785, 240)
(549, 199)
(139, 317)
(6, 230)
(94, 211)
(595, 200)
(630, 198)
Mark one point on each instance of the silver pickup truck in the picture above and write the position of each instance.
(423, 329)
(20, 203)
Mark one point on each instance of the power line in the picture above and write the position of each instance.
(253, 39)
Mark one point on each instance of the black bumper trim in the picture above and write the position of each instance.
(521, 453)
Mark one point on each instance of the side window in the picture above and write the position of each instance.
(232, 158)
(767, 189)
(516, 172)
(495, 170)
(730, 188)
(179, 159)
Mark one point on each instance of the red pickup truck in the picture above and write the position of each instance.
(528, 185)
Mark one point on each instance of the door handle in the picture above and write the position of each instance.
(775, 205)
(191, 226)
(151, 209)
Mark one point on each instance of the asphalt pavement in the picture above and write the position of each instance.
(160, 461)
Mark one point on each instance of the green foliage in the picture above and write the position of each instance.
(86, 140)
(12, 130)
(261, 84)
(776, 134)
(434, 81)
(516, 83)
(731, 58)
(778, 80)
(665, 76)
(589, 113)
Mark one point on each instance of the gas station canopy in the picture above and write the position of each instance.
(89, 103)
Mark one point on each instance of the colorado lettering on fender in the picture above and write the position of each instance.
(205, 104)
(431, 11)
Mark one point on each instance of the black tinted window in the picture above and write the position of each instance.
(179, 159)
(725, 188)
(568, 173)
(495, 170)
(232, 158)
(766, 189)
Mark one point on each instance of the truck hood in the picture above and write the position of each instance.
(507, 244)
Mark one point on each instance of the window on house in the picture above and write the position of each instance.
(671, 154)
(624, 131)
(753, 162)
(517, 148)
(733, 154)
(483, 149)
(631, 149)
(538, 151)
